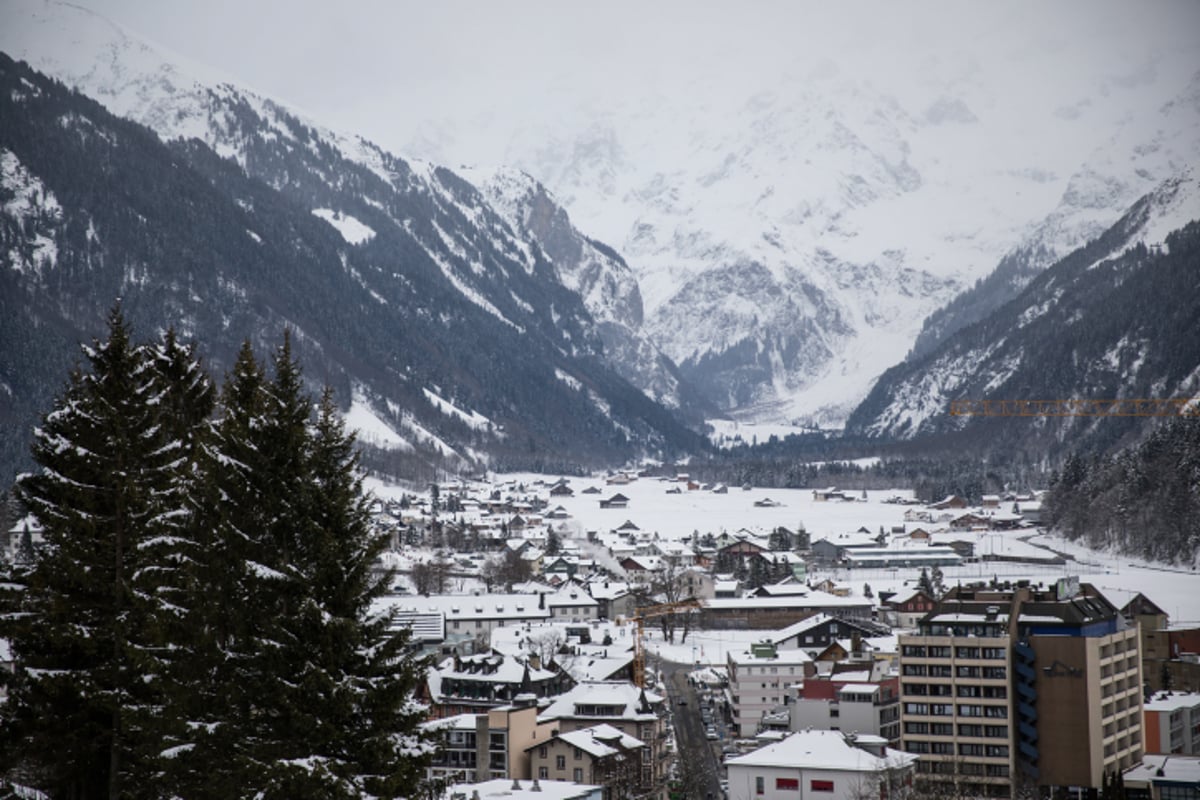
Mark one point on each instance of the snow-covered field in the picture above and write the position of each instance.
(676, 516)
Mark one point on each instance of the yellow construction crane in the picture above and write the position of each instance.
(653, 612)
(1076, 407)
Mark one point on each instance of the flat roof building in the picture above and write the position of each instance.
(1007, 688)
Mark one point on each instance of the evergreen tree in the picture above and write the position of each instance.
(924, 584)
(88, 632)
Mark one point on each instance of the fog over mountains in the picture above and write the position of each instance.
(754, 227)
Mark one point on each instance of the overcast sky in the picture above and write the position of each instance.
(384, 68)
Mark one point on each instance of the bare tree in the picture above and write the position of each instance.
(669, 585)
(505, 569)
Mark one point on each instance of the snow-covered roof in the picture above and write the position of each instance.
(504, 789)
(827, 750)
(1165, 769)
(813, 599)
(472, 607)
(601, 693)
(1172, 701)
(781, 657)
(597, 739)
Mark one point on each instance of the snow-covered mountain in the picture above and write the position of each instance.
(1134, 161)
(513, 216)
(599, 275)
(1116, 318)
(789, 237)
(453, 336)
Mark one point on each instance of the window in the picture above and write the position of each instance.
(995, 712)
(970, 730)
(787, 784)
(918, 670)
(970, 672)
(913, 651)
(941, 710)
(970, 711)
(542, 751)
(577, 775)
(560, 762)
(916, 747)
(942, 748)
(833, 712)
(994, 652)
(821, 786)
(966, 652)
(543, 773)
(970, 749)
(997, 751)
(939, 652)
(995, 673)
(578, 754)
(942, 729)
(916, 688)
(916, 727)
(759, 785)
(996, 731)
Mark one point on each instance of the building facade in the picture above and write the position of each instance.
(1005, 689)
(759, 679)
(825, 764)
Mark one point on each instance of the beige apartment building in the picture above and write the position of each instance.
(1004, 689)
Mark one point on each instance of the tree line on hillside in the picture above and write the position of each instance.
(1144, 500)
(198, 622)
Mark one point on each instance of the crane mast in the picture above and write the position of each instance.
(653, 612)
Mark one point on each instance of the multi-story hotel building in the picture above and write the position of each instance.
(1026, 687)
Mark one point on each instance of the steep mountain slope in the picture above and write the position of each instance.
(1115, 175)
(789, 235)
(452, 336)
(509, 266)
(599, 276)
(1115, 318)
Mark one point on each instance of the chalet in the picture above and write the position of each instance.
(991, 501)
(641, 566)
(616, 501)
(1030, 510)
(741, 548)
(635, 712)
(473, 684)
(950, 501)
(591, 490)
(908, 607)
(766, 502)
(619, 479)
(969, 522)
(558, 512)
(561, 490)
(818, 631)
(919, 535)
(600, 755)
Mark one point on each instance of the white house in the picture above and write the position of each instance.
(826, 764)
